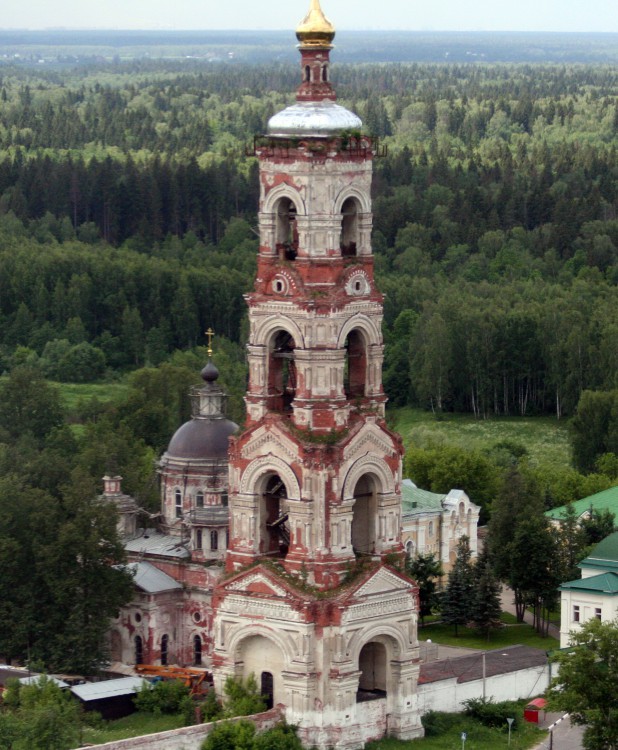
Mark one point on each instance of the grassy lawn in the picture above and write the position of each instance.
(479, 737)
(509, 635)
(545, 438)
(131, 726)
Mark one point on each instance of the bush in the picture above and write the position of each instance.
(436, 723)
(211, 708)
(163, 697)
(492, 714)
(243, 697)
(227, 736)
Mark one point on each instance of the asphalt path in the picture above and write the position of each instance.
(562, 736)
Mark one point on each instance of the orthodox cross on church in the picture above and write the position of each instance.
(210, 333)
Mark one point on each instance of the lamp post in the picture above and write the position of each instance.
(510, 721)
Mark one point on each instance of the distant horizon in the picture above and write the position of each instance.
(560, 16)
(119, 29)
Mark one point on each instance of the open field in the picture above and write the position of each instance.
(545, 438)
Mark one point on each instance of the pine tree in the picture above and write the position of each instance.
(458, 597)
(487, 607)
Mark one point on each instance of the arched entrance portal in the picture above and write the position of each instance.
(372, 663)
(262, 658)
(364, 516)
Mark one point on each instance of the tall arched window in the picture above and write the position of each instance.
(199, 499)
(198, 539)
(139, 650)
(355, 374)
(178, 503)
(197, 651)
(286, 231)
(164, 650)
(349, 227)
(364, 516)
(281, 372)
(274, 531)
(214, 540)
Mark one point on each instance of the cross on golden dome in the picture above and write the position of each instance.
(210, 333)
(315, 30)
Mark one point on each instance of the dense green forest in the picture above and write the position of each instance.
(128, 198)
(127, 215)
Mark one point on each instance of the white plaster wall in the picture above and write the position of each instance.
(449, 695)
(186, 738)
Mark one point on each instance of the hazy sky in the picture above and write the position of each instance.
(447, 15)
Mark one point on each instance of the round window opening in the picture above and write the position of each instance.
(138, 617)
(197, 617)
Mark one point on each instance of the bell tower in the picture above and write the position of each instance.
(315, 477)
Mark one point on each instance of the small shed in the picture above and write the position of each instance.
(113, 699)
(533, 709)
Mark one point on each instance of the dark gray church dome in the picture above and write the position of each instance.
(202, 439)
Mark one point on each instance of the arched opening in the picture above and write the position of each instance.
(199, 541)
(165, 640)
(274, 531)
(199, 499)
(287, 230)
(178, 503)
(372, 664)
(410, 549)
(307, 74)
(262, 658)
(197, 651)
(355, 372)
(324, 73)
(214, 540)
(281, 372)
(139, 649)
(267, 689)
(349, 227)
(364, 516)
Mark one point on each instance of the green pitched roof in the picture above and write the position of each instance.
(604, 555)
(606, 500)
(414, 500)
(603, 583)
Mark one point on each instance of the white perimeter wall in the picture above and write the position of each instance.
(449, 695)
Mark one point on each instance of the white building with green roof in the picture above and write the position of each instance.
(599, 502)
(595, 594)
(434, 523)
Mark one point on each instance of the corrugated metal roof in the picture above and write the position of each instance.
(36, 678)
(604, 583)
(469, 668)
(94, 691)
(151, 579)
(153, 543)
(415, 500)
(605, 500)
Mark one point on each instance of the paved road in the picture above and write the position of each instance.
(565, 735)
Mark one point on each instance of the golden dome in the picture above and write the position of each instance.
(315, 30)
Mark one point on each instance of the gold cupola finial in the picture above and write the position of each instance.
(315, 30)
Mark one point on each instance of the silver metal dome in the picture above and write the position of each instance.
(313, 118)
